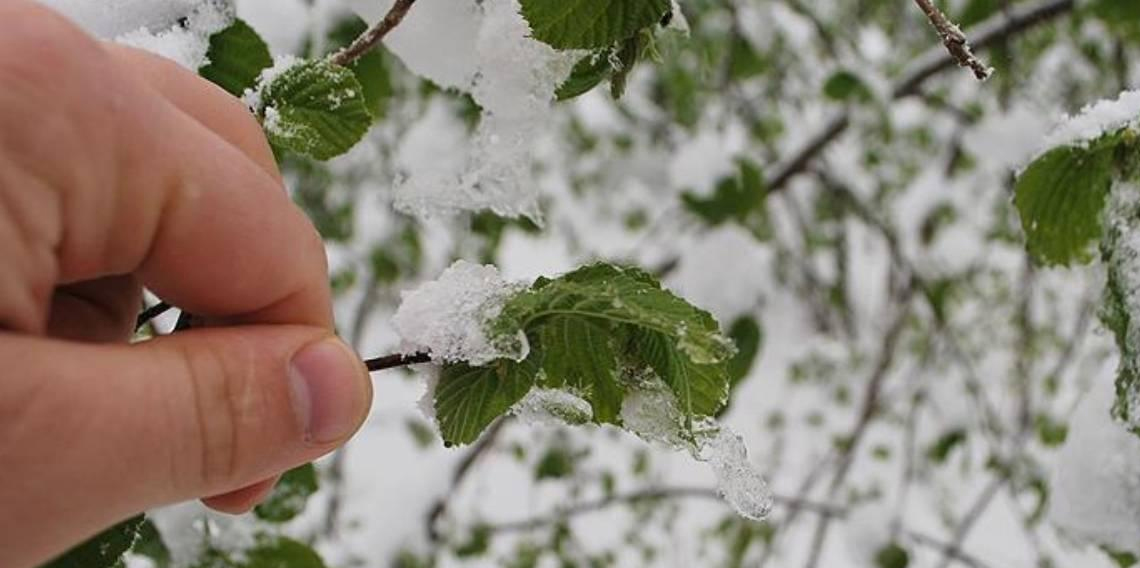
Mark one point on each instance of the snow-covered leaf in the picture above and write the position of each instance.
(315, 108)
(236, 58)
(590, 24)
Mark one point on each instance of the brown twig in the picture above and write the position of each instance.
(374, 35)
(954, 40)
(397, 360)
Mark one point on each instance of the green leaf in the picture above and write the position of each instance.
(747, 336)
(588, 73)
(371, 69)
(1060, 197)
(736, 198)
(940, 450)
(103, 550)
(604, 292)
(580, 354)
(315, 108)
(701, 389)
(846, 86)
(237, 56)
(289, 496)
(281, 552)
(468, 399)
(590, 24)
(628, 54)
(892, 556)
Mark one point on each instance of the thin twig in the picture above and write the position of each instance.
(374, 35)
(396, 360)
(656, 494)
(954, 40)
(150, 313)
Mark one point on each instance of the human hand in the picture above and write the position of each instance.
(120, 170)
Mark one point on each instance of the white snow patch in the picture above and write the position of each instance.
(551, 407)
(1094, 120)
(108, 19)
(449, 316)
(485, 50)
(1096, 486)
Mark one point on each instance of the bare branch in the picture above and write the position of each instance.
(397, 360)
(954, 40)
(374, 35)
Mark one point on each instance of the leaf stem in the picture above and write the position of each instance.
(374, 35)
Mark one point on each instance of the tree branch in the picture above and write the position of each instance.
(954, 40)
(994, 30)
(374, 35)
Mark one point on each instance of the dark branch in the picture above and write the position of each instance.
(397, 360)
(485, 443)
(150, 313)
(954, 40)
(375, 35)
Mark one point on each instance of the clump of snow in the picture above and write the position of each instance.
(108, 19)
(1096, 486)
(449, 317)
(188, 528)
(651, 411)
(1096, 119)
(178, 30)
(186, 43)
(487, 52)
(552, 406)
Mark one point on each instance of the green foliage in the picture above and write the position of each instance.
(846, 86)
(588, 72)
(588, 331)
(290, 496)
(1060, 197)
(104, 550)
(892, 556)
(747, 335)
(315, 108)
(151, 545)
(940, 450)
(590, 24)
(738, 198)
(468, 399)
(237, 56)
(1121, 559)
(371, 69)
(282, 552)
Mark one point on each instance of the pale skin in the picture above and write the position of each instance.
(118, 171)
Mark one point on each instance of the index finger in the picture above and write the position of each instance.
(139, 186)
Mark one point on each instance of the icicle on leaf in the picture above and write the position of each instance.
(104, 550)
(237, 56)
(290, 495)
(590, 24)
(315, 108)
(1060, 197)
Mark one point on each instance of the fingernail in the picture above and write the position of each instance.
(326, 381)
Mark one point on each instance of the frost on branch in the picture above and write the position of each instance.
(483, 49)
(449, 317)
(1096, 487)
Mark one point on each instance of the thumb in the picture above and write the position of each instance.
(90, 434)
